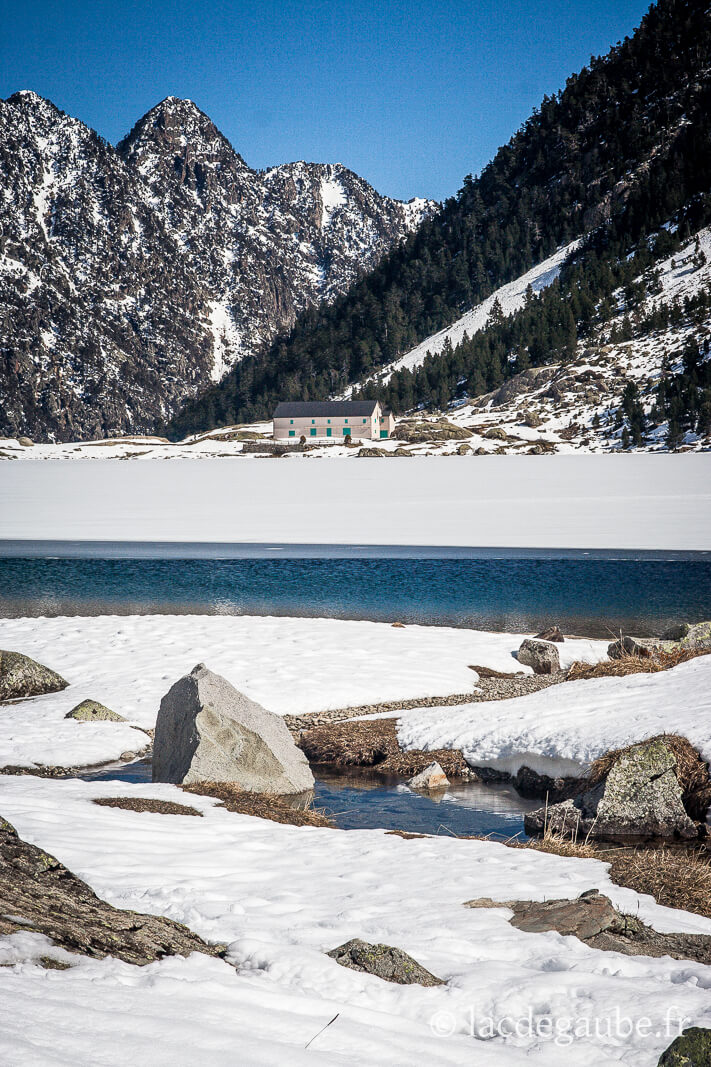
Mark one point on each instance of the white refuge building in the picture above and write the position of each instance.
(337, 419)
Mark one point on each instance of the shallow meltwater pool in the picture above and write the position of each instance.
(358, 799)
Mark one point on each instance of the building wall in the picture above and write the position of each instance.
(340, 426)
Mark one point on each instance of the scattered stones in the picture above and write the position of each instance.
(593, 919)
(541, 655)
(691, 1049)
(384, 961)
(552, 633)
(38, 890)
(21, 676)
(92, 711)
(641, 798)
(628, 646)
(496, 434)
(207, 731)
(432, 777)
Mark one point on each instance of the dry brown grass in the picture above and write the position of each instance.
(156, 807)
(262, 805)
(676, 879)
(374, 743)
(618, 668)
(559, 845)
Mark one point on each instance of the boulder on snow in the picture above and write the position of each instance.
(93, 711)
(433, 777)
(384, 961)
(641, 798)
(629, 646)
(552, 633)
(687, 635)
(26, 442)
(207, 731)
(692, 1048)
(543, 656)
(21, 676)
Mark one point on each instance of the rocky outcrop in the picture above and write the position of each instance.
(543, 656)
(640, 798)
(37, 893)
(207, 731)
(384, 961)
(432, 777)
(21, 676)
(552, 633)
(692, 1048)
(629, 646)
(593, 919)
(688, 635)
(93, 711)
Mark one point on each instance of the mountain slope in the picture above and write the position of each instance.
(624, 148)
(131, 278)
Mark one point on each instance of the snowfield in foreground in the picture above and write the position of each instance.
(561, 730)
(288, 665)
(281, 897)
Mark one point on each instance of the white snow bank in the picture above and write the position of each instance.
(564, 728)
(289, 665)
(636, 501)
(281, 897)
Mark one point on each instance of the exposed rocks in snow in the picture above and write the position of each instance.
(384, 961)
(207, 731)
(432, 777)
(552, 633)
(37, 893)
(692, 1048)
(541, 655)
(93, 711)
(21, 676)
(640, 799)
(629, 646)
(687, 635)
(592, 918)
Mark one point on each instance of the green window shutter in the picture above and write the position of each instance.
(291, 421)
(346, 431)
(313, 432)
(292, 433)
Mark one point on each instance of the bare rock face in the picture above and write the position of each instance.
(21, 676)
(543, 656)
(384, 961)
(692, 1048)
(433, 777)
(207, 731)
(38, 893)
(592, 918)
(641, 798)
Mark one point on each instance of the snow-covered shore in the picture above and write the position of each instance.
(288, 665)
(281, 897)
(636, 501)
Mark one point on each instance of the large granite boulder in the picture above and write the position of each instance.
(384, 961)
(21, 676)
(543, 656)
(207, 731)
(692, 1048)
(432, 777)
(688, 635)
(641, 798)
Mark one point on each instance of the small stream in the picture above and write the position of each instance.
(358, 799)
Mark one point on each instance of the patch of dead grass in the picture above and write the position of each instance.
(374, 743)
(262, 805)
(156, 807)
(619, 668)
(675, 878)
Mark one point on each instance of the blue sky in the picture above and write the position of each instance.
(413, 96)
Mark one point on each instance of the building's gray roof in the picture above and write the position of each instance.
(321, 408)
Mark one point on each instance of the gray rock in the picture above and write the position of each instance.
(26, 442)
(92, 711)
(384, 961)
(496, 433)
(629, 646)
(552, 633)
(640, 799)
(691, 1049)
(697, 635)
(543, 656)
(207, 731)
(48, 899)
(593, 919)
(21, 676)
(433, 777)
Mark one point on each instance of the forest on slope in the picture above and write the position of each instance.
(622, 151)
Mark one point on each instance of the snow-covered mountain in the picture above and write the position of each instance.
(132, 277)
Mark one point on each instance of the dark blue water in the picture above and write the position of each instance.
(590, 595)
(361, 800)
